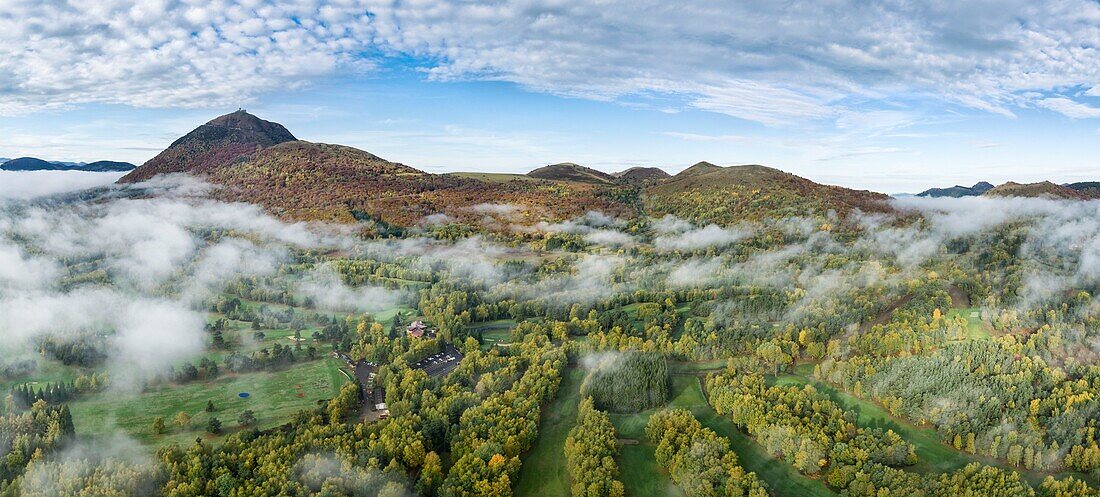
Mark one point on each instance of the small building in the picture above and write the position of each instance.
(417, 329)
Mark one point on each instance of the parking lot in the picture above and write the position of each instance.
(442, 363)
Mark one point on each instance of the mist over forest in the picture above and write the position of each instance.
(113, 298)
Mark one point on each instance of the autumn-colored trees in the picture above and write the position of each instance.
(699, 460)
(590, 452)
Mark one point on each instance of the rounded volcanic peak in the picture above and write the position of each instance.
(248, 124)
(706, 175)
(223, 140)
(568, 171)
(1042, 189)
(642, 174)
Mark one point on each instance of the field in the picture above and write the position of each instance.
(274, 397)
(48, 371)
(543, 473)
(976, 329)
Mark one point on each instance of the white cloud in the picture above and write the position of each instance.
(786, 63)
(1070, 108)
(776, 63)
(188, 53)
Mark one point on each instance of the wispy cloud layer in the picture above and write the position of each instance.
(787, 63)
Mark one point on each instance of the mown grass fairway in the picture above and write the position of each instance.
(274, 397)
(46, 371)
(646, 478)
(543, 473)
(493, 332)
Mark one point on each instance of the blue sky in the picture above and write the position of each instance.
(893, 96)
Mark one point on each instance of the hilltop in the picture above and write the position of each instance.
(568, 171)
(642, 174)
(706, 192)
(221, 141)
(697, 169)
(1044, 189)
(958, 190)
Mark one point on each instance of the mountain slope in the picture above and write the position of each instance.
(568, 171)
(221, 141)
(1044, 189)
(699, 168)
(958, 191)
(252, 160)
(708, 193)
(1090, 189)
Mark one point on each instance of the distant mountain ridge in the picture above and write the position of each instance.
(958, 191)
(36, 164)
(252, 160)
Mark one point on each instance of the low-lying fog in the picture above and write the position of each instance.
(30, 184)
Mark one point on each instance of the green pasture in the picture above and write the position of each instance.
(274, 397)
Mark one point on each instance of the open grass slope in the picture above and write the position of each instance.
(976, 329)
(274, 397)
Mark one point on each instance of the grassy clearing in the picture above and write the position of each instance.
(493, 332)
(274, 396)
(976, 329)
(640, 473)
(543, 473)
(697, 367)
